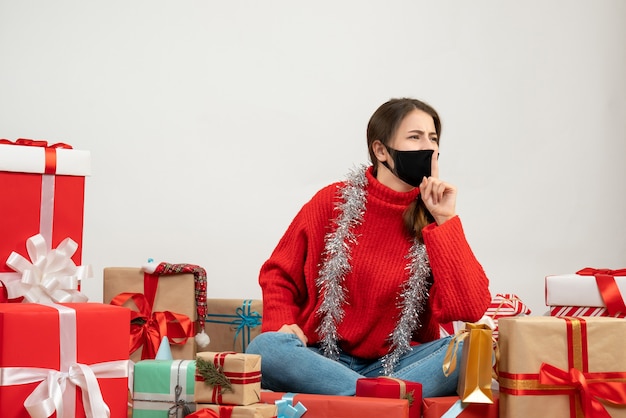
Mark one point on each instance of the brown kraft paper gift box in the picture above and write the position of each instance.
(562, 367)
(175, 293)
(228, 378)
(232, 323)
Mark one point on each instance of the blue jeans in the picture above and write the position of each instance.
(287, 365)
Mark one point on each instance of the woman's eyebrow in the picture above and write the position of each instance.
(420, 132)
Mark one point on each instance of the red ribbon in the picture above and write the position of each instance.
(204, 413)
(50, 151)
(4, 295)
(225, 411)
(35, 143)
(590, 387)
(608, 288)
(148, 328)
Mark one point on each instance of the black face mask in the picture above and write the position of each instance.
(411, 166)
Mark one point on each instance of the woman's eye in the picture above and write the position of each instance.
(434, 138)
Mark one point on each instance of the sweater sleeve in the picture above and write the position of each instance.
(460, 290)
(282, 278)
(287, 278)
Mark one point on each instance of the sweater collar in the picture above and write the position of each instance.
(376, 189)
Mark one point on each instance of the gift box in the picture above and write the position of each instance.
(452, 405)
(42, 345)
(163, 388)
(583, 311)
(257, 410)
(323, 406)
(232, 323)
(168, 307)
(389, 387)
(228, 378)
(562, 367)
(43, 190)
(589, 288)
(501, 305)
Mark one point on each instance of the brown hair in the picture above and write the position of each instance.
(382, 126)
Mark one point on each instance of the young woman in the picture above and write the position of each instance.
(369, 267)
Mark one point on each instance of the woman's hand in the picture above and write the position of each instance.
(294, 329)
(438, 196)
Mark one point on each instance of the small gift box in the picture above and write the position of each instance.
(389, 387)
(257, 410)
(232, 323)
(451, 406)
(588, 288)
(165, 299)
(502, 305)
(562, 367)
(78, 367)
(323, 406)
(228, 378)
(163, 388)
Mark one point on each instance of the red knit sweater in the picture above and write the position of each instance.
(459, 291)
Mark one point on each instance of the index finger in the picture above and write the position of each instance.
(434, 165)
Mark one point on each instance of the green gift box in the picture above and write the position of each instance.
(155, 393)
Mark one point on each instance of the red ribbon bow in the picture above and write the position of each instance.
(590, 387)
(35, 143)
(608, 288)
(148, 328)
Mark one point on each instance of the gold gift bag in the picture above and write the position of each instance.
(476, 368)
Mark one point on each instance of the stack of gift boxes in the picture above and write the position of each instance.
(58, 354)
(570, 364)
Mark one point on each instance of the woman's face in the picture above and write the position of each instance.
(416, 132)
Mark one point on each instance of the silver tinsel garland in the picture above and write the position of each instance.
(411, 299)
(411, 303)
(337, 260)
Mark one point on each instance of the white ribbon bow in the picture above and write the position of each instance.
(48, 395)
(49, 277)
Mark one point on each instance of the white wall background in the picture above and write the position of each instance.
(210, 123)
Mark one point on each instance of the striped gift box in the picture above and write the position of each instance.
(502, 305)
(583, 311)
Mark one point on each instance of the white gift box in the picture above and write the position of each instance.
(32, 159)
(577, 290)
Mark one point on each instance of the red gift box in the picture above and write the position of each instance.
(323, 406)
(41, 345)
(43, 190)
(437, 407)
(389, 387)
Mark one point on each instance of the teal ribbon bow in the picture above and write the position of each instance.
(243, 321)
(286, 409)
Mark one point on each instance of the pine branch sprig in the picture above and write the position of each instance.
(213, 375)
(410, 396)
